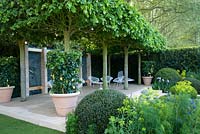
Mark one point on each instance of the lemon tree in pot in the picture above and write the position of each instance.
(8, 74)
(147, 69)
(64, 68)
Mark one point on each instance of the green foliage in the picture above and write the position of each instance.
(9, 74)
(195, 75)
(184, 87)
(195, 83)
(114, 17)
(94, 110)
(149, 114)
(178, 58)
(182, 110)
(64, 67)
(8, 71)
(192, 125)
(169, 74)
(186, 25)
(161, 84)
(137, 116)
(140, 115)
(71, 124)
(148, 68)
(182, 73)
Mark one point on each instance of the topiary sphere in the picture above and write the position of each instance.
(195, 83)
(96, 108)
(169, 74)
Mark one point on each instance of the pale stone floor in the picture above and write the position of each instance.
(39, 109)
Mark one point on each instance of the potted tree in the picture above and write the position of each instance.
(64, 68)
(147, 69)
(8, 73)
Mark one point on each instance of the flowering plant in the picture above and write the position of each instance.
(64, 67)
(148, 68)
(161, 84)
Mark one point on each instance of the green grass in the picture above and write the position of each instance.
(10, 125)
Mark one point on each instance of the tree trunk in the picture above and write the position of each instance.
(66, 40)
(109, 65)
(105, 53)
(139, 68)
(80, 72)
(125, 67)
(22, 70)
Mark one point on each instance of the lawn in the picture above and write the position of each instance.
(10, 125)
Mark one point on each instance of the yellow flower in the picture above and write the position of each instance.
(143, 129)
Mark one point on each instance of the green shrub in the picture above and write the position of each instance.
(195, 83)
(9, 74)
(169, 115)
(94, 110)
(140, 116)
(148, 68)
(195, 75)
(168, 74)
(183, 111)
(64, 67)
(184, 87)
(71, 124)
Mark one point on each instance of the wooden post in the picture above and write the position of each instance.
(44, 71)
(89, 66)
(80, 72)
(23, 82)
(139, 68)
(27, 69)
(125, 67)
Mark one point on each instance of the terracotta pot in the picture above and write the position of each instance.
(147, 80)
(64, 103)
(6, 93)
(88, 82)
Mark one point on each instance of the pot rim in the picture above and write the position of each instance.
(147, 76)
(70, 94)
(9, 87)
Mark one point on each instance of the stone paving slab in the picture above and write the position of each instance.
(39, 109)
(57, 123)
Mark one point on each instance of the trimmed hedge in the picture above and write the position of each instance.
(178, 59)
(195, 75)
(94, 110)
(169, 74)
(195, 83)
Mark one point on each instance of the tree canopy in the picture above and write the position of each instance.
(177, 20)
(67, 17)
(108, 22)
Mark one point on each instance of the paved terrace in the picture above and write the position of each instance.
(39, 109)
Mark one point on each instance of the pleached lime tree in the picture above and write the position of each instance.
(126, 26)
(68, 18)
